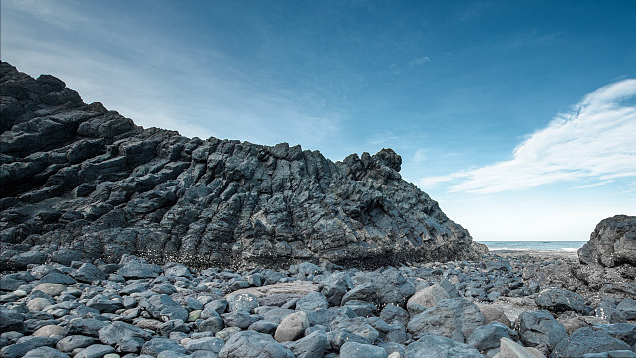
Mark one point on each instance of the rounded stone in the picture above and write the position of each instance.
(292, 327)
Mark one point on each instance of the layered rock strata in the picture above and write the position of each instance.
(79, 180)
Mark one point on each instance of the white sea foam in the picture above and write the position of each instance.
(570, 249)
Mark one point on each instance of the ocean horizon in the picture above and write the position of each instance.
(568, 246)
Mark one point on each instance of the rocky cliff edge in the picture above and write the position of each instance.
(79, 180)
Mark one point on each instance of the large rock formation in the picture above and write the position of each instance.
(613, 243)
(81, 181)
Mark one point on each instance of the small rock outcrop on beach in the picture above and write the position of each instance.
(613, 243)
(80, 181)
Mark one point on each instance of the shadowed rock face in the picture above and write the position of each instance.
(76, 176)
(613, 243)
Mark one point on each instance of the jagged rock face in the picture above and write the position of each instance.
(80, 177)
(613, 243)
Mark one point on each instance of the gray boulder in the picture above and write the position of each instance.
(556, 299)
(433, 346)
(24, 345)
(95, 351)
(253, 344)
(587, 340)
(454, 318)
(612, 243)
(70, 343)
(488, 337)
(539, 328)
(157, 345)
(310, 346)
(117, 331)
(45, 352)
(361, 350)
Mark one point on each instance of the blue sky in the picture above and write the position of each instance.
(519, 117)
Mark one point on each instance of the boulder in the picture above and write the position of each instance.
(539, 328)
(292, 327)
(556, 299)
(361, 350)
(612, 243)
(433, 346)
(253, 344)
(426, 298)
(587, 340)
(454, 318)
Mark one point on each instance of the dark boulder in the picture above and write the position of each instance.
(612, 243)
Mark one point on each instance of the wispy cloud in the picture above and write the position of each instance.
(593, 143)
(420, 61)
(150, 77)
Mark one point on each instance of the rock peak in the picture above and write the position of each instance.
(79, 178)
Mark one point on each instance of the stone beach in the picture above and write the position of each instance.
(513, 305)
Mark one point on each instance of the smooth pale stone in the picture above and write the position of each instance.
(510, 349)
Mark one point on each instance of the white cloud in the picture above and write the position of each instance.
(420, 60)
(593, 142)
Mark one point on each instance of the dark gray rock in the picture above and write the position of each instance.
(211, 344)
(85, 326)
(335, 286)
(135, 267)
(612, 243)
(539, 328)
(45, 352)
(59, 278)
(360, 350)
(586, 340)
(310, 346)
(209, 202)
(89, 273)
(11, 320)
(487, 337)
(454, 318)
(556, 299)
(311, 302)
(628, 307)
(611, 354)
(24, 345)
(253, 344)
(393, 314)
(241, 319)
(157, 345)
(243, 301)
(263, 326)
(95, 351)
(116, 331)
(433, 346)
(70, 343)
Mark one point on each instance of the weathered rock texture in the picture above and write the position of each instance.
(612, 243)
(81, 181)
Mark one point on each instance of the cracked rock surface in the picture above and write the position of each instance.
(80, 181)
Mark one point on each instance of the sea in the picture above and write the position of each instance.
(571, 246)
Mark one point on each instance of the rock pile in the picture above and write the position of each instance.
(458, 309)
(84, 179)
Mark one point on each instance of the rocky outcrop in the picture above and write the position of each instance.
(613, 243)
(79, 180)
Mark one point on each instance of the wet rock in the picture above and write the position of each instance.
(310, 346)
(487, 337)
(157, 345)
